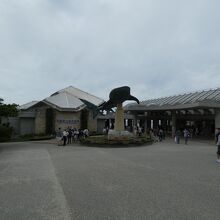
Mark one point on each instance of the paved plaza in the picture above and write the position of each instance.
(39, 180)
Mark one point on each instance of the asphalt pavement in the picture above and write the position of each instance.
(40, 180)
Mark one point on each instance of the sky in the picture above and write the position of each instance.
(158, 48)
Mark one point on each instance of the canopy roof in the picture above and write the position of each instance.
(203, 99)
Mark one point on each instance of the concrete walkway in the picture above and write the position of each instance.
(39, 180)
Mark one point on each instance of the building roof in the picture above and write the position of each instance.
(28, 105)
(65, 101)
(206, 99)
(68, 99)
(82, 95)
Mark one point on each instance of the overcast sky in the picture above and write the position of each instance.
(157, 47)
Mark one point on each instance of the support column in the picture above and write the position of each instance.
(217, 118)
(109, 123)
(155, 123)
(141, 123)
(135, 120)
(148, 124)
(130, 125)
(119, 118)
(173, 123)
(145, 125)
(163, 124)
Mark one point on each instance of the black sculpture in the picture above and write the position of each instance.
(117, 96)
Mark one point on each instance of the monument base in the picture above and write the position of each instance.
(119, 135)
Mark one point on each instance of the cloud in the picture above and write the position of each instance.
(158, 48)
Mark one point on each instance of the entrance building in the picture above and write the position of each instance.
(198, 111)
(66, 108)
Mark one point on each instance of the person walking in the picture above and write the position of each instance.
(139, 130)
(218, 144)
(65, 134)
(86, 133)
(186, 135)
(177, 136)
(160, 134)
(59, 133)
(69, 137)
(75, 134)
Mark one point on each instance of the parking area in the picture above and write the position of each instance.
(40, 180)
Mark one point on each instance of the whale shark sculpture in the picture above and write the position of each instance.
(117, 96)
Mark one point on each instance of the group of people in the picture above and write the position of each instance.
(157, 134)
(138, 130)
(186, 135)
(71, 135)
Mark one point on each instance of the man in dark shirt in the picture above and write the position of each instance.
(217, 140)
(177, 136)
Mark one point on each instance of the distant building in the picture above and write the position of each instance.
(69, 107)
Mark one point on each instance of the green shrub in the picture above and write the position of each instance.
(101, 140)
(5, 133)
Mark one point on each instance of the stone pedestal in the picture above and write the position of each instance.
(119, 133)
(119, 118)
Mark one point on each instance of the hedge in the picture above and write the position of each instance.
(5, 133)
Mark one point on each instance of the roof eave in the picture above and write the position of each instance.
(24, 109)
(204, 104)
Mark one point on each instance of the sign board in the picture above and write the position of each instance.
(68, 121)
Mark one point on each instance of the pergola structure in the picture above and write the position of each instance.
(199, 110)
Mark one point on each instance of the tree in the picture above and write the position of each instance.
(8, 110)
